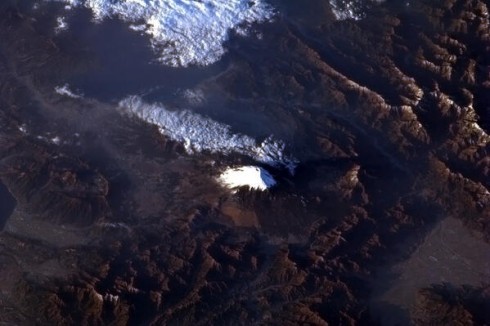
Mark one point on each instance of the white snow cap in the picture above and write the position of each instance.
(183, 32)
(252, 176)
(199, 133)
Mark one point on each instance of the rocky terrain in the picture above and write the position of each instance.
(388, 116)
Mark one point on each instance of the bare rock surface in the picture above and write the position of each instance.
(117, 223)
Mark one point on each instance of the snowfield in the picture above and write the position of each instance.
(253, 177)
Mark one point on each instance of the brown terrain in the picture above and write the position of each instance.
(386, 221)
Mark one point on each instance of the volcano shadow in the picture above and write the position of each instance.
(7, 205)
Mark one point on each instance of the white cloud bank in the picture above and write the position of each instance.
(199, 133)
(183, 32)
